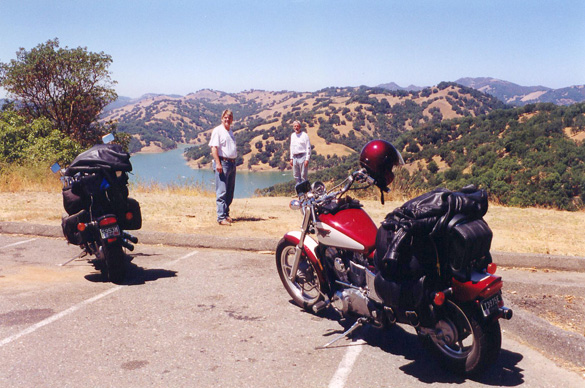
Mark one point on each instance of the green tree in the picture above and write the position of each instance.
(33, 143)
(70, 87)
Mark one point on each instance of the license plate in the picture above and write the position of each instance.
(491, 305)
(110, 231)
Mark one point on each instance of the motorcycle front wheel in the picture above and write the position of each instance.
(305, 288)
(464, 344)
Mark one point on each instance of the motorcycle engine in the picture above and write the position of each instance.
(351, 300)
(349, 267)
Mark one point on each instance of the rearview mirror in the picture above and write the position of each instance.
(108, 138)
(55, 168)
(303, 187)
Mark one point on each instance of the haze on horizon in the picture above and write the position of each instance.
(181, 46)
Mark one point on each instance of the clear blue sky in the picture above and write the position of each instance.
(180, 46)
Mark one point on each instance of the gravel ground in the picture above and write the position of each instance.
(549, 312)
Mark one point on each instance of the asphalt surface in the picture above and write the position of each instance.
(568, 348)
(195, 317)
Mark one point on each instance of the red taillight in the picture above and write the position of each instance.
(81, 226)
(439, 298)
(108, 221)
(491, 268)
(129, 216)
(493, 288)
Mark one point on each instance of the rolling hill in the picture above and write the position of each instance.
(339, 120)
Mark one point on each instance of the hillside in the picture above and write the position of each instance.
(450, 135)
(527, 156)
(338, 120)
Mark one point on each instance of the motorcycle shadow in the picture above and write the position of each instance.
(397, 340)
(135, 275)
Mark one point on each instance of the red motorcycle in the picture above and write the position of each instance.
(428, 265)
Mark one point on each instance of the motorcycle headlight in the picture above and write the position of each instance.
(295, 204)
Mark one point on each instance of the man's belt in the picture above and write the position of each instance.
(299, 155)
(227, 159)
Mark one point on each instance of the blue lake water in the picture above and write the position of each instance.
(170, 167)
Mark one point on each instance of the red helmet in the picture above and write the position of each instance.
(378, 157)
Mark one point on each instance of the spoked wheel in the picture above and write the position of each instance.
(463, 344)
(305, 287)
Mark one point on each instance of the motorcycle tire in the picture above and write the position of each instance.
(305, 290)
(472, 344)
(115, 263)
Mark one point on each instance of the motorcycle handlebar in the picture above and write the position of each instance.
(356, 176)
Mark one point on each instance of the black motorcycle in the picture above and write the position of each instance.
(99, 211)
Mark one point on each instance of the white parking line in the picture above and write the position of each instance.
(18, 243)
(345, 366)
(70, 310)
(55, 317)
(183, 257)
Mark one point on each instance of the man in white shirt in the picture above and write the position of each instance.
(223, 150)
(300, 152)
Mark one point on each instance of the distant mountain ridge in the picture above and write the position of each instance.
(511, 93)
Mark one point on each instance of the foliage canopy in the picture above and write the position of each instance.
(69, 87)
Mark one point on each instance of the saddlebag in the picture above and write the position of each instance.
(468, 247)
(69, 226)
(73, 201)
(439, 234)
(133, 222)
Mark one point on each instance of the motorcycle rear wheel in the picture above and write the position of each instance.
(469, 345)
(115, 263)
(305, 289)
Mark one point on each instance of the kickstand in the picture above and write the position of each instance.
(356, 325)
(82, 254)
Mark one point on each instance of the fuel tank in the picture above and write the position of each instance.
(350, 229)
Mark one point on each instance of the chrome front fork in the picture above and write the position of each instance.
(299, 248)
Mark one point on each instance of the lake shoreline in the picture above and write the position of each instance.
(153, 149)
(172, 168)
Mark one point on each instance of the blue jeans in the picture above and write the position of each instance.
(224, 188)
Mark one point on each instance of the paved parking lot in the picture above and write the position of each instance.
(200, 318)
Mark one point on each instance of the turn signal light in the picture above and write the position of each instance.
(439, 298)
(491, 268)
(81, 226)
(129, 216)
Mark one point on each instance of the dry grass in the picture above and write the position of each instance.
(188, 209)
